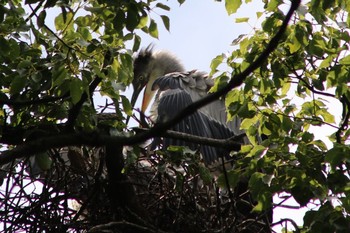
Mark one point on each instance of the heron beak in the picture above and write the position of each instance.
(147, 96)
(134, 96)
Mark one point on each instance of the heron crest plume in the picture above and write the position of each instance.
(154, 64)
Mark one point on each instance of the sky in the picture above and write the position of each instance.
(199, 31)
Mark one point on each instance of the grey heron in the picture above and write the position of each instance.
(163, 76)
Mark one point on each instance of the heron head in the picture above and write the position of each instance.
(142, 76)
(148, 66)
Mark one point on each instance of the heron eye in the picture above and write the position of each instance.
(141, 78)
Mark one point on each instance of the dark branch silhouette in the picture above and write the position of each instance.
(24, 103)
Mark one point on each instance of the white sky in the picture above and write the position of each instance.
(200, 30)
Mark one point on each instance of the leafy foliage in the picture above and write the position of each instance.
(49, 77)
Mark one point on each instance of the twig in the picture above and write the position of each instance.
(110, 225)
(295, 225)
(20, 103)
(346, 116)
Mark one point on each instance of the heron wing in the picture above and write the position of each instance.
(171, 98)
(197, 85)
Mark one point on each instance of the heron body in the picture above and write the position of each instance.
(163, 76)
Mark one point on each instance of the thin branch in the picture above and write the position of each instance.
(21, 103)
(311, 88)
(346, 116)
(295, 225)
(307, 85)
(110, 225)
(34, 11)
(75, 110)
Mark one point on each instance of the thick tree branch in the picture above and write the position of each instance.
(30, 148)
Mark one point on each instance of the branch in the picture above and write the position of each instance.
(30, 148)
(310, 87)
(295, 225)
(110, 225)
(20, 103)
(75, 110)
(346, 115)
(229, 143)
(236, 81)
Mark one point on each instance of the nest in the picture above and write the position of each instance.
(165, 196)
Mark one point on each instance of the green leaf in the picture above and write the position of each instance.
(76, 90)
(59, 74)
(285, 88)
(143, 21)
(337, 155)
(41, 19)
(273, 4)
(256, 184)
(163, 6)
(62, 22)
(205, 175)
(153, 29)
(126, 105)
(179, 181)
(166, 22)
(17, 84)
(233, 177)
(259, 14)
(215, 63)
(132, 18)
(220, 82)
(345, 60)
(24, 64)
(232, 6)
(247, 122)
(137, 42)
(242, 20)
(257, 151)
(43, 161)
(119, 20)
